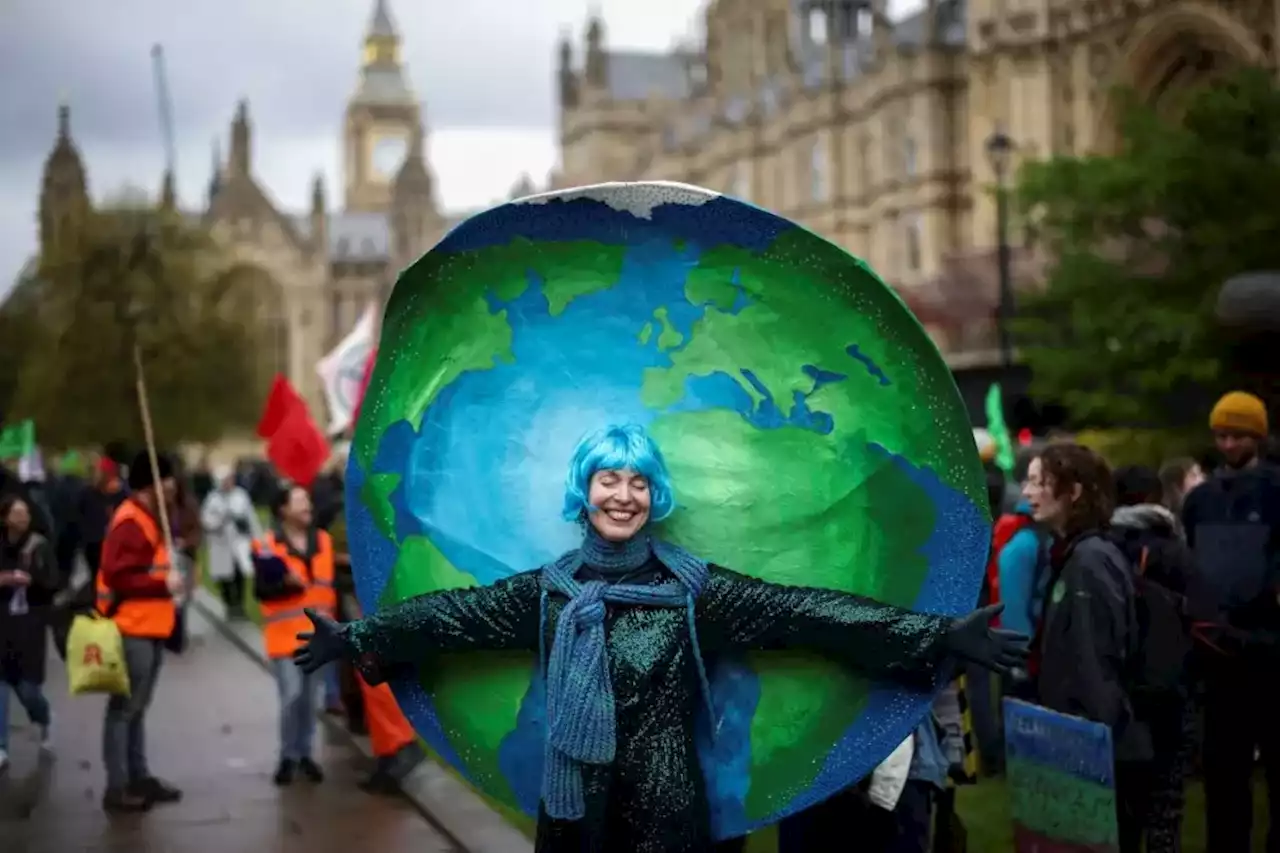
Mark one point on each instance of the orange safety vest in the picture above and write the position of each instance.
(152, 618)
(284, 619)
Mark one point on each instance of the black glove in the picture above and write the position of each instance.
(956, 773)
(971, 638)
(327, 643)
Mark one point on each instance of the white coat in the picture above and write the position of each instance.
(230, 525)
(888, 780)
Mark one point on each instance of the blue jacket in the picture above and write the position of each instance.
(1024, 576)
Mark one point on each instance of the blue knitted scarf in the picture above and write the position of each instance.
(581, 717)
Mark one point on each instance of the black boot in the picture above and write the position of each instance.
(311, 770)
(155, 790)
(284, 773)
(380, 782)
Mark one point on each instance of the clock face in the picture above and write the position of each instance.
(388, 155)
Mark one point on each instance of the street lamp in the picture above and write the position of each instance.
(1000, 152)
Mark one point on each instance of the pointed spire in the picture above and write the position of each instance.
(595, 28)
(64, 192)
(382, 79)
(595, 63)
(317, 195)
(64, 117)
(566, 48)
(568, 79)
(380, 24)
(413, 181)
(168, 193)
(215, 173)
(240, 140)
(64, 158)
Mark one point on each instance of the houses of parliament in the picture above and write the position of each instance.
(874, 133)
(877, 134)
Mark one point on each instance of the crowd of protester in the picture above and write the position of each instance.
(1153, 596)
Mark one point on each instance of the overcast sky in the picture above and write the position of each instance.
(484, 70)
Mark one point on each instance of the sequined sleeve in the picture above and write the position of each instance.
(501, 616)
(736, 612)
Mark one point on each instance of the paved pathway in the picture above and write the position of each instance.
(212, 732)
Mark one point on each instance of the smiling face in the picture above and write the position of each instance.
(621, 499)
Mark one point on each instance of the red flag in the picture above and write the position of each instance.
(280, 399)
(295, 445)
(364, 385)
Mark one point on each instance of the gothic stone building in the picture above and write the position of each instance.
(316, 270)
(874, 133)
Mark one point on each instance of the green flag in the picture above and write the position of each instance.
(72, 462)
(17, 440)
(999, 430)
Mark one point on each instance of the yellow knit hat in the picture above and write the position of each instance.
(1241, 412)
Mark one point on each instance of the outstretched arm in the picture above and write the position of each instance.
(502, 616)
(738, 612)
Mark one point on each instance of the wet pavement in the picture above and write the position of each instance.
(211, 732)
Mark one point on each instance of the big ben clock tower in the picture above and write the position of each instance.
(382, 118)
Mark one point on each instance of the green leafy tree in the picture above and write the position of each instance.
(135, 275)
(20, 329)
(1139, 244)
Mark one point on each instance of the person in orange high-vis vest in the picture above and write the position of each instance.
(293, 571)
(138, 590)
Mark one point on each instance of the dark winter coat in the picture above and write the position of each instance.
(1089, 641)
(22, 634)
(1232, 522)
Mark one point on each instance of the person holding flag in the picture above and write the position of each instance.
(138, 588)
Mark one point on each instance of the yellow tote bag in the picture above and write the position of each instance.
(95, 657)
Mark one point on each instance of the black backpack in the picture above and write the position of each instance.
(1164, 625)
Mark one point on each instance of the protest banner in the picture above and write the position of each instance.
(1061, 776)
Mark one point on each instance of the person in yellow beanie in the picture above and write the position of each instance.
(1232, 523)
(1239, 424)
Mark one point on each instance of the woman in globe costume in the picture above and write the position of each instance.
(620, 626)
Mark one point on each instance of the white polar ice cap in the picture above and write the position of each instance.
(638, 198)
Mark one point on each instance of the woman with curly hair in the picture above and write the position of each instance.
(1088, 642)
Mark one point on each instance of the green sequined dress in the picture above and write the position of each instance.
(651, 799)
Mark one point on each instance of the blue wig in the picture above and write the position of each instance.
(615, 448)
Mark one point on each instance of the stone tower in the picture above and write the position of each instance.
(381, 121)
(415, 220)
(64, 193)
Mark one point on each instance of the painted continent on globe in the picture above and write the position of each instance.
(813, 432)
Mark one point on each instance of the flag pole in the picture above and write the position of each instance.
(149, 436)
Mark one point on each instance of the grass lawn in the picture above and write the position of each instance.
(985, 811)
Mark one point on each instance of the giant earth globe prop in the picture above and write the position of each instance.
(813, 433)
